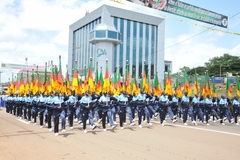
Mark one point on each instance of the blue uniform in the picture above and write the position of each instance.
(123, 108)
(236, 110)
(104, 103)
(57, 108)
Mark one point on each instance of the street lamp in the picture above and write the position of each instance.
(0, 80)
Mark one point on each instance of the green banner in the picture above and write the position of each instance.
(187, 10)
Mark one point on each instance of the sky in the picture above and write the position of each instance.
(38, 30)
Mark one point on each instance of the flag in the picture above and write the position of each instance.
(157, 91)
(32, 82)
(168, 87)
(238, 87)
(36, 87)
(12, 86)
(207, 85)
(85, 84)
(60, 77)
(195, 90)
(44, 84)
(177, 88)
(9, 88)
(21, 85)
(119, 86)
(68, 87)
(75, 79)
(229, 88)
(27, 87)
(202, 90)
(99, 83)
(90, 78)
(214, 93)
(135, 89)
(187, 87)
(128, 86)
(55, 80)
(144, 79)
(106, 83)
(49, 85)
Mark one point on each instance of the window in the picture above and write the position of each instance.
(112, 34)
(101, 34)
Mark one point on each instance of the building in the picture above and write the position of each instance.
(122, 35)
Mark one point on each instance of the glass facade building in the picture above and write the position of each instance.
(141, 36)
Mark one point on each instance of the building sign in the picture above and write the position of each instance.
(22, 67)
(186, 10)
(101, 52)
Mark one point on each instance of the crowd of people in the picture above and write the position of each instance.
(107, 108)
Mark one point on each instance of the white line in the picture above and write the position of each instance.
(203, 129)
(23, 121)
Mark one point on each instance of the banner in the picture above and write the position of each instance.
(22, 67)
(186, 10)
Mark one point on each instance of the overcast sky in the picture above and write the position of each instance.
(38, 30)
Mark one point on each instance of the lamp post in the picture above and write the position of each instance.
(221, 71)
(0, 80)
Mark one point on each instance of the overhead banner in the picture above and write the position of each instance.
(22, 67)
(186, 10)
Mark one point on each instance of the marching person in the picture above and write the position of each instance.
(41, 108)
(163, 103)
(57, 108)
(223, 106)
(197, 110)
(105, 104)
(71, 108)
(208, 106)
(185, 106)
(236, 109)
(123, 106)
(85, 103)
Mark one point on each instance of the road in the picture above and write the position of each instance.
(19, 140)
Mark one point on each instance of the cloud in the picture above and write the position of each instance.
(38, 30)
(193, 52)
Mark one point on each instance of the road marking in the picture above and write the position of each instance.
(203, 129)
(23, 121)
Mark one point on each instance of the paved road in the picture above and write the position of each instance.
(19, 140)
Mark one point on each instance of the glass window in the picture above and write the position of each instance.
(140, 49)
(115, 19)
(134, 49)
(153, 44)
(121, 45)
(101, 34)
(128, 41)
(91, 36)
(112, 34)
(146, 42)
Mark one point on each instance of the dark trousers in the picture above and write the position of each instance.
(49, 118)
(25, 112)
(222, 113)
(104, 116)
(41, 117)
(29, 112)
(207, 112)
(19, 111)
(236, 112)
(70, 115)
(84, 118)
(34, 113)
(121, 114)
(140, 111)
(133, 109)
(185, 113)
(162, 112)
(56, 115)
